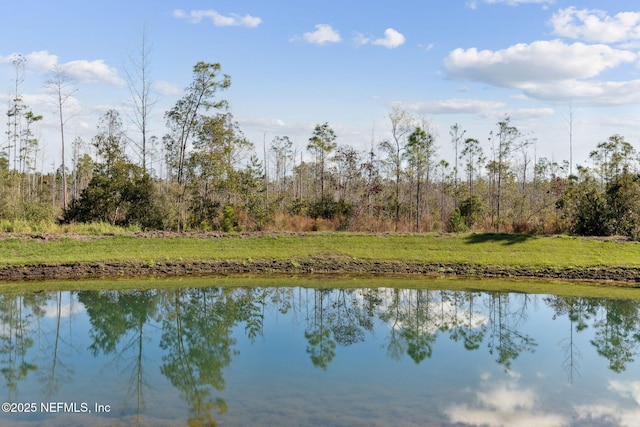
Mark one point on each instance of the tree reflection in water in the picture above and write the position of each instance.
(118, 324)
(55, 345)
(321, 347)
(505, 338)
(16, 338)
(197, 343)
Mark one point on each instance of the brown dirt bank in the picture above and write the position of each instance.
(629, 277)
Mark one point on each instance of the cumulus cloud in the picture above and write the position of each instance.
(92, 72)
(323, 34)
(81, 70)
(219, 20)
(37, 61)
(41, 61)
(596, 25)
(540, 61)
(391, 39)
(548, 70)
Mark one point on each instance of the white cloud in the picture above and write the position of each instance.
(41, 61)
(232, 20)
(81, 70)
(549, 70)
(391, 40)
(92, 72)
(37, 61)
(540, 61)
(324, 33)
(596, 25)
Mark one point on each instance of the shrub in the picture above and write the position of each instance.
(623, 200)
(228, 222)
(473, 209)
(328, 208)
(456, 222)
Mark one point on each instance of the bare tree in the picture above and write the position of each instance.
(140, 83)
(571, 119)
(60, 87)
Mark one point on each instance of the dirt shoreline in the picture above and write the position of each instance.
(619, 276)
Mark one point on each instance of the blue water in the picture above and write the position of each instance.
(317, 357)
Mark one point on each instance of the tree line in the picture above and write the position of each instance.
(204, 174)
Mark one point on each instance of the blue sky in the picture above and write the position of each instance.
(296, 64)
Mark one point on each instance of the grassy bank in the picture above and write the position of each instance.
(73, 256)
(509, 252)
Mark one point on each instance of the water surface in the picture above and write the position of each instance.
(300, 356)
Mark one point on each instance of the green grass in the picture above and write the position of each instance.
(484, 249)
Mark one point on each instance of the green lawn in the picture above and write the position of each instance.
(485, 249)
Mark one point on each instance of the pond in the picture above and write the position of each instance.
(317, 356)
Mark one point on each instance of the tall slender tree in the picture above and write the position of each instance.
(321, 144)
(15, 112)
(456, 137)
(140, 82)
(60, 87)
(507, 138)
(419, 154)
(282, 152)
(472, 155)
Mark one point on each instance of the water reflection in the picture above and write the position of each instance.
(204, 356)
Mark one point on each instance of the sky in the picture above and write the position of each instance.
(550, 65)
